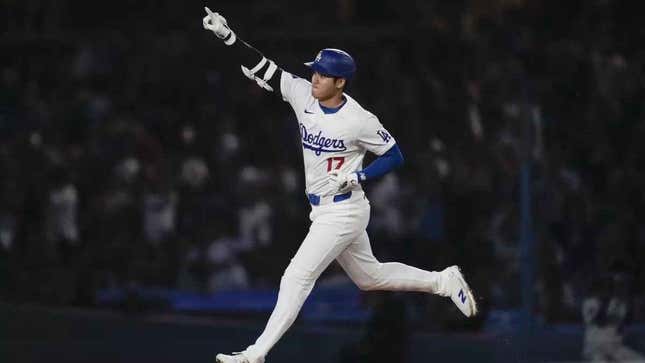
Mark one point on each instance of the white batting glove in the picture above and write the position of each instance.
(217, 24)
(340, 182)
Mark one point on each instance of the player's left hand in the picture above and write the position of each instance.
(340, 182)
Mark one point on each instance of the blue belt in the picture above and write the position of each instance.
(315, 199)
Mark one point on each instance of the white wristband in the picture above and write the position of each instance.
(230, 39)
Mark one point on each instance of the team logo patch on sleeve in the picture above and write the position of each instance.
(384, 135)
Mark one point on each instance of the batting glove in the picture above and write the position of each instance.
(340, 182)
(217, 24)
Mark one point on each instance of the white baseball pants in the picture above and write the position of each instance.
(337, 232)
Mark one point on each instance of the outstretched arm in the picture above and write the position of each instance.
(254, 64)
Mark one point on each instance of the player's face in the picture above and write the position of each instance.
(324, 87)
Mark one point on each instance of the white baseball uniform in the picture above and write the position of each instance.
(335, 141)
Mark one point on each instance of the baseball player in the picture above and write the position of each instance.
(336, 133)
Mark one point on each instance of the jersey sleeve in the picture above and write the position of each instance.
(374, 137)
(294, 90)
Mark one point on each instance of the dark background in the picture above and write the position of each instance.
(134, 155)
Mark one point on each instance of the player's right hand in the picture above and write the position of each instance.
(216, 23)
(339, 182)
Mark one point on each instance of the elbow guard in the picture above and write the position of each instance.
(269, 70)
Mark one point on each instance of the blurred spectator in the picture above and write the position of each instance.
(227, 273)
(62, 215)
(255, 213)
(386, 217)
(159, 211)
(605, 311)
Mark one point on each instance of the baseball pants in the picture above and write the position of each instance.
(337, 232)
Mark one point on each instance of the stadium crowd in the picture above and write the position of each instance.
(132, 151)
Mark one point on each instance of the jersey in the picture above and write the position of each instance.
(332, 141)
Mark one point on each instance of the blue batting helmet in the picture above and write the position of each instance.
(333, 62)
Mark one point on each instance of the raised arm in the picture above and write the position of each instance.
(254, 64)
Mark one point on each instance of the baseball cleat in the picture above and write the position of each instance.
(235, 358)
(460, 292)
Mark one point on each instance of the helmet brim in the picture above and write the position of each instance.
(316, 67)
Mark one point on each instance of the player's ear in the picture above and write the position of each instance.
(340, 83)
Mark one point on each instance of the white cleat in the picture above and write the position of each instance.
(235, 358)
(460, 292)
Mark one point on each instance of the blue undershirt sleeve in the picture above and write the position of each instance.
(385, 163)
